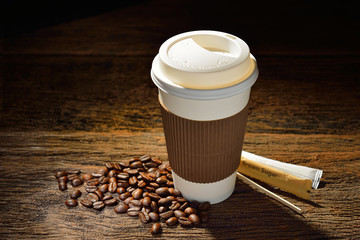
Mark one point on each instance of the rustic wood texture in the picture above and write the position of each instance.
(76, 94)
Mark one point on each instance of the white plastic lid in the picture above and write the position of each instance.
(204, 60)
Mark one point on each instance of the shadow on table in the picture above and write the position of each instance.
(248, 214)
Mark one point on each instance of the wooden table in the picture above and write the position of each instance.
(76, 93)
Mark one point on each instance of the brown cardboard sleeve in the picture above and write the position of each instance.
(204, 151)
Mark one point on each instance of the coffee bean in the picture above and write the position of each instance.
(112, 174)
(123, 183)
(144, 217)
(145, 158)
(171, 198)
(120, 190)
(104, 188)
(133, 172)
(110, 202)
(184, 206)
(62, 186)
(73, 171)
(112, 187)
(155, 228)
(189, 210)
(164, 201)
(128, 200)
(109, 165)
(170, 184)
(145, 194)
(124, 165)
(146, 202)
(204, 216)
(151, 164)
(163, 209)
(149, 189)
(117, 166)
(77, 182)
(154, 185)
(171, 221)
(92, 197)
(181, 200)
(123, 176)
(174, 205)
(71, 177)
(100, 195)
(161, 180)
(75, 194)
(162, 191)
(179, 213)
(91, 189)
(93, 182)
(104, 180)
(98, 205)
(146, 177)
(174, 192)
(184, 221)
(135, 204)
(107, 197)
(86, 177)
(130, 189)
(133, 212)
(157, 161)
(133, 180)
(154, 206)
(137, 194)
(71, 203)
(167, 214)
(121, 208)
(141, 184)
(136, 164)
(194, 219)
(61, 174)
(151, 171)
(63, 179)
(154, 216)
(194, 204)
(112, 179)
(86, 202)
(97, 174)
(204, 206)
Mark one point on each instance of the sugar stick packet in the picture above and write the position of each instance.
(291, 178)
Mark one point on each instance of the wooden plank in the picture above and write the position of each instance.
(34, 207)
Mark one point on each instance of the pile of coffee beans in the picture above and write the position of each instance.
(141, 187)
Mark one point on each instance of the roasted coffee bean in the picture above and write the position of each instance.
(123, 183)
(63, 179)
(117, 166)
(189, 210)
(149, 189)
(62, 186)
(144, 217)
(133, 180)
(86, 177)
(152, 175)
(109, 165)
(174, 205)
(124, 165)
(146, 177)
(91, 189)
(194, 204)
(100, 195)
(184, 206)
(135, 204)
(163, 209)
(146, 209)
(179, 213)
(72, 177)
(163, 166)
(112, 174)
(121, 208)
(181, 200)
(184, 221)
(169, 176)
(194, 219)
(204, 206)
(161, 180)
(174, 192)
(93, 182)
(71, 203)
(77, 182)
(120, 190)
(137, 194)
(104, 180)
(154, 207)
(86, 202)
(61, 174)
(128, 200)
(154, 216)
(152, 170)
(172, 221)
(73, 171)
(133, 172)
(107, 197)
(155, 228)
(112, 179)
(104, 188)
(170, 184)
(151, 164)
(98, 205)
(171, 198)
(136, 164)
(157, 161)
(167, 214)
(154, 185)
(133, 212)
(141, 184)
(145, 194)
(124, 195)
(134, 159)
(146, 201)
(75, 194)
(110, 202)
(123, 176)
(112, 187)
(164, 201)
(204, 216)
(162, 191)
(97, 174)
(92, 197)
(145, 158)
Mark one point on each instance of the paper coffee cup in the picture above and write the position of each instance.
(204, 80)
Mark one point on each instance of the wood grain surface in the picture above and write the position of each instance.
(75, 92)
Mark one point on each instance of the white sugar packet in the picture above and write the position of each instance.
(299, 171)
